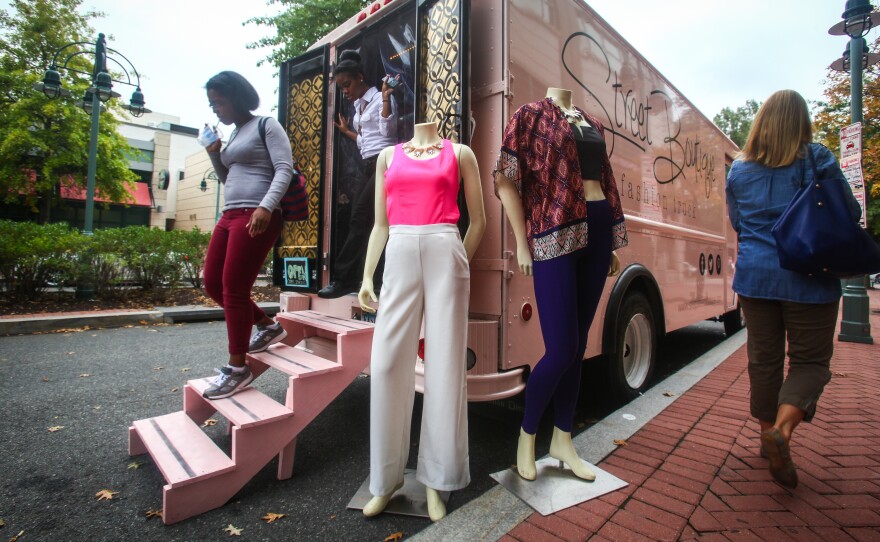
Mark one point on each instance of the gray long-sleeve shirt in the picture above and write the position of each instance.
(254, 175)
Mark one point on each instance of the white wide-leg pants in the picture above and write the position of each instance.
(426, 275)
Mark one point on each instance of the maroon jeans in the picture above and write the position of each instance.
(231, 266)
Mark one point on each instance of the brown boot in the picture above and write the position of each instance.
(781, 466)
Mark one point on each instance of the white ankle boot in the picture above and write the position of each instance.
(562, 449)
(525, 456)
(436, 507)
(378, 503)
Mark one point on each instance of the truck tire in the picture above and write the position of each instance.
(733, 321)
(629, 369)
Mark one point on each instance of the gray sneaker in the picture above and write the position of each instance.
(228, 382)
(265, 337)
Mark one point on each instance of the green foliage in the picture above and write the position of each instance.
(736, 123)
(32, 257)
(45, 142)
(302, 23)
(191, 247)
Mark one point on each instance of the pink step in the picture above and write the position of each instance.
(334, 324)
(295, 361)
(246, 408)
(181, 450)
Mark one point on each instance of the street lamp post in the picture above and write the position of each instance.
(858, 19)
(100, 91)
(203, 186)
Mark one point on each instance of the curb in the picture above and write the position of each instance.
(26, 325)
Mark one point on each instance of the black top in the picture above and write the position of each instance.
(591, 151)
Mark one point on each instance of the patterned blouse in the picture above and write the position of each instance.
(539, 154)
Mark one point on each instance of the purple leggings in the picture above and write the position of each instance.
(567, 292)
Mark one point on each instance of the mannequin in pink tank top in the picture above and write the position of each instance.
(426, 274)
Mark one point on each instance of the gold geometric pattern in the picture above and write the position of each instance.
(440, 78)
(305, 109)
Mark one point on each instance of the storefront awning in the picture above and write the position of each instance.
(140, 193)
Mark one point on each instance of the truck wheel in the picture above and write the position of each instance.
(630, 368)
(733, 321)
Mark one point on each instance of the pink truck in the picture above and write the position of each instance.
(469, 65)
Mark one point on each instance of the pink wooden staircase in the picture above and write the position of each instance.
(321, 354)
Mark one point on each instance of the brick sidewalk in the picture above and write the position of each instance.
(695, 473)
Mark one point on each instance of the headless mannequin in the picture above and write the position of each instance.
(561, 445)
(424, 136)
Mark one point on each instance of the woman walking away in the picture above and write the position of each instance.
(255, 171)
(779, 304)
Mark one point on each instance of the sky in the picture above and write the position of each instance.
(717, 53)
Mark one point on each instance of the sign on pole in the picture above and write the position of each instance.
(851, 164)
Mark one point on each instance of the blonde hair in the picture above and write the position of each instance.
(780, 131)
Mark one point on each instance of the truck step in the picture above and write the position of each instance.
(181, 450)
(333, 324)
(295, 361)
(247, 408)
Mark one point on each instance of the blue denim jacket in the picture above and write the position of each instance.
(756, 196)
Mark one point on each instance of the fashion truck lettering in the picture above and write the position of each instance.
(629, 120)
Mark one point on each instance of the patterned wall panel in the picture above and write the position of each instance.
(440, 67)
(300, 239)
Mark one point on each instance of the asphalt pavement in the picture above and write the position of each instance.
(90, 385)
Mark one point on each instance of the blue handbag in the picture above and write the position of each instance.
(817, 233)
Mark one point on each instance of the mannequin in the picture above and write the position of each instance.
(570, 266)
(426, 274)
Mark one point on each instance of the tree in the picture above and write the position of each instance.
(44, 142)
(833, 113)
(737, 123)
(301, 24)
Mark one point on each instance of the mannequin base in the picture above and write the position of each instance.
(556, 489)
(410, 500)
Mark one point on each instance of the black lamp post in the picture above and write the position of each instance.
(858, 19)
(203, 186)
(100, 91)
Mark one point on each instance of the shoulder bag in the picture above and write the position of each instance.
(817, 234)
(295, 202)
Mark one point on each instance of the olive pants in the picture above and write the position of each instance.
(809, 329)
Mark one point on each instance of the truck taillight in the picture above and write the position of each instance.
(422, 349)
(375, 7)
(526, 312)
(361, 16)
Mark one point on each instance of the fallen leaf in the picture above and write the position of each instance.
(135, 464)
(580, 425)
(185, 370)
(620, 442)
(669, 394)
(85, 375)
(16, 537)
(209, 422)
(153, 513)
(71, 353)
(591, 420)
(143, 322)
(2, 524)
(394, 537)
(44, 379)
(158, 368)
(105, 494)
(174, 389)
(56, 428)
(333, 516)
(272, 516)
(233, 530)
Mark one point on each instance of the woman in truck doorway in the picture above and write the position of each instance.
(373, 128)
(555, 181)
(255, 174)
(779, 304)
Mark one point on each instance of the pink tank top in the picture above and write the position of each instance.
(422, 192)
